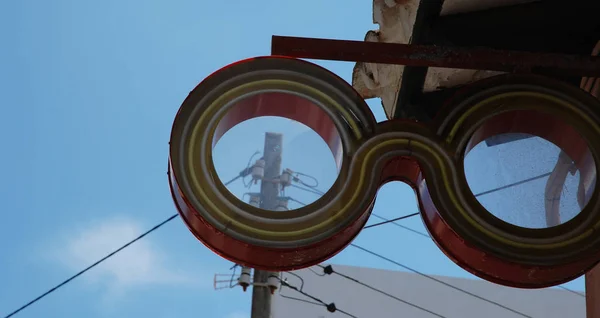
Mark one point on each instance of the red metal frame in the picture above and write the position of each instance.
(286, 106)
(436, 56)
(271, 253)
(484, 257)
(439, 31)
(259, 257)
(463, 58)
(418, 154)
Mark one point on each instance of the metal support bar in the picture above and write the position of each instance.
(550, 64)
(592, 292)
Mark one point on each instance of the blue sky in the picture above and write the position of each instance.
(89, 91)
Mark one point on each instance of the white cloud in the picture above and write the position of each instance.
(142, 263)
(238, 315)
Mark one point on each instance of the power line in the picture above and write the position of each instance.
(439, 281)
(242, 174)
(513, 184)
(401, 226)
(317, 192)
(427, 236)
(245, 172)
(476, 195)
(308, 176)
(571, 291)
(330, 307)
(294, 200)
(386, 221)
(300, 299)
(392, 220)
(113, 253)
(53, 289)
(329, 270)
(312, 270)
(510, 185)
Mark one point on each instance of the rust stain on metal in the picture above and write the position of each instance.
(436, 56)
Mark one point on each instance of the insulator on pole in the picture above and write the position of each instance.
(286, 178)
(258, 170)
(255, 199)
(273, 282)
(245, 277)
(282, 204)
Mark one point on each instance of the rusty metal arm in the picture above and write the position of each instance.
(549, 64)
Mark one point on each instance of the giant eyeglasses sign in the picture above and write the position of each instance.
(429, 157)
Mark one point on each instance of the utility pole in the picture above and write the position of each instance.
(269, 193)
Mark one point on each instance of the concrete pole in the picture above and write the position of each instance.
(269, 191)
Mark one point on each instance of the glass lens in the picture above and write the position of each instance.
(525, 180)
(273, 162)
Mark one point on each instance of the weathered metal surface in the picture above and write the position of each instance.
(437, 56)
(396, 19)
(524, 25)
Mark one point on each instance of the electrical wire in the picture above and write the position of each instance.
(376, 224)
(571, 291)
(308, 176)
(247, 169)
(299, 202)
(330, 307)
(477, 195)
(242, 174)
(299, 299)
(329, 270)
(392, 220)
(427, 236)
(439, 280)
(300, 278)
(317, 192)
(53, 289)
(312, 270)
(401, 226)
(513, 184)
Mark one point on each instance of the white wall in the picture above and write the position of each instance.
(365, 303)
